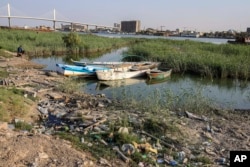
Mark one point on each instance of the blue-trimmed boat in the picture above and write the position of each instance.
(72, 70)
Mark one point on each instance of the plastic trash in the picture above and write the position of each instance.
(173, 163)
(160, 160)
(43, 110)
(181, 156)
(221, 161)
(128, 149)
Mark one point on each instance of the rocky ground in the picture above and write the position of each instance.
(212, 137)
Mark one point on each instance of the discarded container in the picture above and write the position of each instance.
(173, 163)
(221, 161)
(110, 138)
(181, 155)
(128, 149)
(43, 110)
(71, 127)
(140, 164)
(123, 130)
(160, 160)
(82, 140)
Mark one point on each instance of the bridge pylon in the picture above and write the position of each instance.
(54, 20)
(9, 14)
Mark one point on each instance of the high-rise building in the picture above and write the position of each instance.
(131, 26)
(248, 30)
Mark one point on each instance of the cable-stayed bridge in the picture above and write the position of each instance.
(9, 16)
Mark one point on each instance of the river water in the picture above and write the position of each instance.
(225, 93)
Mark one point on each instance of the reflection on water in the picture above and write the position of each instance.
(208, 40)
(227, 94)
(156, 81)
(101, 85)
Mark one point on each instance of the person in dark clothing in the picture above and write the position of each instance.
(20, 51)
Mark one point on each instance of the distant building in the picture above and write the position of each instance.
(117, 26)
(248, 30)
(178, 30)
(44, 27)
(131, 26)
(188, 33)
(73, 27)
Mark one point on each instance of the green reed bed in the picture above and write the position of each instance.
(47, 43)
(163, 100)
(206, 59)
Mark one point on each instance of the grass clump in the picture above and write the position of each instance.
(97, 149)
(203, 159)
(120, 138)
(139, 157)
(12, 104)
(159, 128)
(20, 125)
(5, 54)
(69, 86)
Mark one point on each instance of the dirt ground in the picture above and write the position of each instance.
(22, 149)
(19, 149)
(216, 140)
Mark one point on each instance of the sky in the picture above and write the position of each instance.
(199, 15)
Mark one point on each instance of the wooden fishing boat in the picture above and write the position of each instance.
(81, 63)
(117, 66)
(78, 63)
(159, 74)
(110, 75)
(145, 65)
(71, 70)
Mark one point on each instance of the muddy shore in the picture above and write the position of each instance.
(202, 140)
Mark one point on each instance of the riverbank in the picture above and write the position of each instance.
(94, 125)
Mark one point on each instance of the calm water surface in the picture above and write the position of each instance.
(224, 93)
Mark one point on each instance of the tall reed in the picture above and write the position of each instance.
(48, 43)
(163, 100)
(206, 59)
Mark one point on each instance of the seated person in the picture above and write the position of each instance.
(20, 51)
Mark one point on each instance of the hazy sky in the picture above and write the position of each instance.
(200, 15)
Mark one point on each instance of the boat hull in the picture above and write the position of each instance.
(110, 75)
(81, 63)
(159, 74)
(146, 65)
(70, 70)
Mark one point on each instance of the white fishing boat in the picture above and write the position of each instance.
(117, 66)
(110, 75)
(106, 63)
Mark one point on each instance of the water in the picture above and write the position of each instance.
(50, 62)
(210, 40)
(224, 93)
